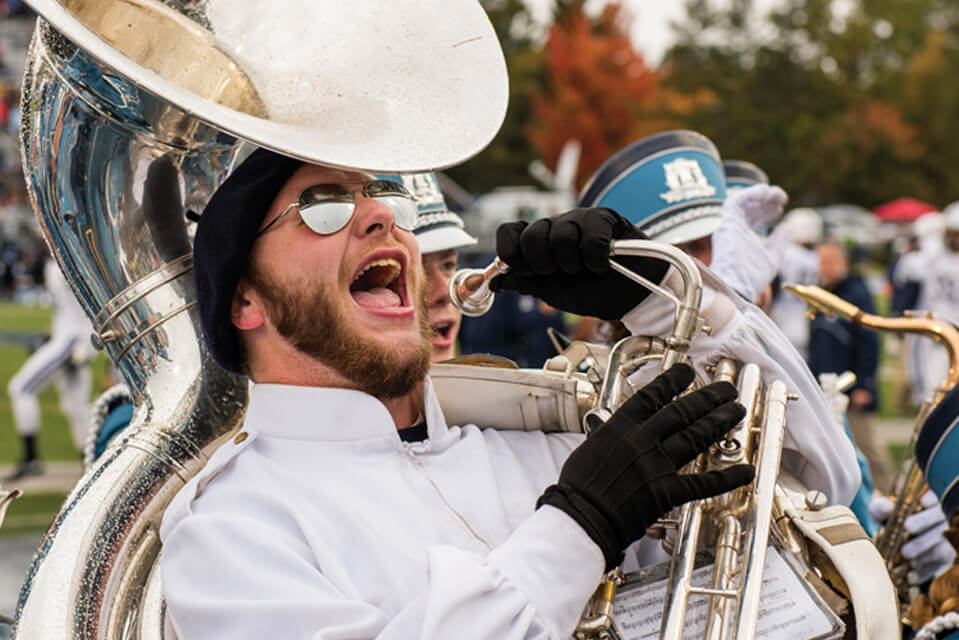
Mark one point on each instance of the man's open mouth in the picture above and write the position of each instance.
(379, 285)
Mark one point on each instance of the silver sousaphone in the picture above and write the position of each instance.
(132, 115)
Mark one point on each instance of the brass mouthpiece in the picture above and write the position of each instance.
(469, 288)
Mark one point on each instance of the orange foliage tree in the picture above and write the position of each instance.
(599, 90)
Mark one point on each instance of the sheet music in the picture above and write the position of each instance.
(787, 607)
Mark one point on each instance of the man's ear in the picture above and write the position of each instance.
(246, 310)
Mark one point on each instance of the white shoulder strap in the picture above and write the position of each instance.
(837, 533)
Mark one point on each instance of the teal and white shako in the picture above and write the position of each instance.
(937, 449)
(741, 174)
(437, 228)
(670, 185)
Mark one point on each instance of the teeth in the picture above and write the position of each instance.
(392, 263)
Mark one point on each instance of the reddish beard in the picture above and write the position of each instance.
(317, 327)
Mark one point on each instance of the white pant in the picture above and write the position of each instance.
(928, 366)
(50, 363)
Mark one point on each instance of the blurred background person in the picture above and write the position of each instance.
(932, 274)
(799, 265)
(515, 328)
(836, 346)
(921, 243)
(65, 361)
(923, 240)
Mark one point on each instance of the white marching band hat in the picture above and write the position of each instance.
(437, 228)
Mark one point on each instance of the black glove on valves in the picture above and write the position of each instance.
(624, 476)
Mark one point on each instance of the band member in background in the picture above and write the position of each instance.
(64, 361)
(439, 233)
(671, 186)
(347, 507)
(837, 345)
(800, 265)
(937, 269)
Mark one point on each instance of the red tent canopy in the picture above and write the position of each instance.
(903, 210)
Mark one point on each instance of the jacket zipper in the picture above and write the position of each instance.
(459, 517)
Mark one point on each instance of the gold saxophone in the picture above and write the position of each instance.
(909, 484)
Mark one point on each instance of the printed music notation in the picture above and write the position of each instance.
(788, 608)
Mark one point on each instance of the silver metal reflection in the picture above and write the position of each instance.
(111, 170)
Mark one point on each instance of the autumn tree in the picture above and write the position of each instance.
(599, 89)
(851, 105)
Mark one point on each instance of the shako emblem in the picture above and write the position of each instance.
(686, 180)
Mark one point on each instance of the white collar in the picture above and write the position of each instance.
(328, 414)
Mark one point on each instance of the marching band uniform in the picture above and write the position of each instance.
(907, 279)
(741, 259)
(346, 532)
(799, 265)
(939, 293)
(672, 187)
(432, 550)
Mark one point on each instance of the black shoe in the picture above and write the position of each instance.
(24, 469)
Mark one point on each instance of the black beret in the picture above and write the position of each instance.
(225, 235)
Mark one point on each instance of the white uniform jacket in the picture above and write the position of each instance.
(322, 523)
(937, 271)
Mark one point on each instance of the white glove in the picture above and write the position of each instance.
(838, 401)
(740, 257)
(927, 551)
(759, 205)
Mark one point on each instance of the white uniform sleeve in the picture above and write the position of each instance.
(260, 581)
(741, 260)
(740, 257)
(816, 449)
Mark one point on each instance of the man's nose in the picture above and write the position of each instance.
(372, 216)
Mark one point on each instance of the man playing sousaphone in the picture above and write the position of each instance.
(309, 281)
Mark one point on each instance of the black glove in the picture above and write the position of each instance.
(565, 262)
(623, 477)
